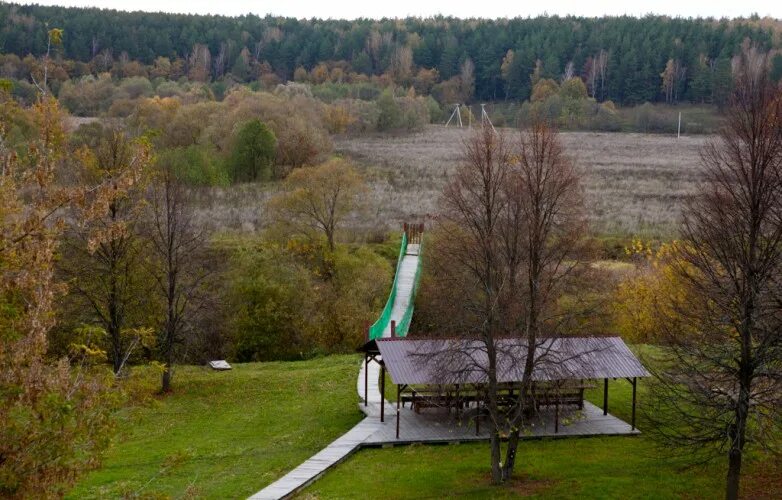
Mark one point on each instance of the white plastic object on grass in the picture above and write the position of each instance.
(219, 364)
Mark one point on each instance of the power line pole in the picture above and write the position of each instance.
(679, 129)
(457, 113)
(485, 118)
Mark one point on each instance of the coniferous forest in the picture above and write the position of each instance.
(621, 59)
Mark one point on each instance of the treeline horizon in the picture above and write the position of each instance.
(627, 60)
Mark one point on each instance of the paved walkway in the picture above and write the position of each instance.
(404, 288)
(313, 468)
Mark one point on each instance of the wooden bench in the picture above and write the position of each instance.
(562, 397)
(450, 399)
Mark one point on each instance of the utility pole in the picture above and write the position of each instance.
(485, 118)
(458, 114)
(679, 129)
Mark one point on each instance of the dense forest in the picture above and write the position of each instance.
(623, 59)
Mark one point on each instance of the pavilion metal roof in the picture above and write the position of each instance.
(464, 361)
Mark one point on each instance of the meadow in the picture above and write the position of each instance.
(634, 184)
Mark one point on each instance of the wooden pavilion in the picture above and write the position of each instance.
(451, 373)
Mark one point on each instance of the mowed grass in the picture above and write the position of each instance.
(621, 467)
(228, 434)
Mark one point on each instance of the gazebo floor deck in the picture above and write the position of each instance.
(438, 425)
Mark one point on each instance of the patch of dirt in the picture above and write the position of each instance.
(522, 485)
(765, 482)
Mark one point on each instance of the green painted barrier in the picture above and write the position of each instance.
(379, 326)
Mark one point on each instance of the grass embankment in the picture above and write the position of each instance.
(600, 467)
(228, 434)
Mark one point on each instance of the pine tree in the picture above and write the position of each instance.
(722, 82)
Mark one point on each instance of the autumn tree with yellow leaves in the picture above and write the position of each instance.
(645, 302)
(54, 413)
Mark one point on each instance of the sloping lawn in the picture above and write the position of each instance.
(228, 434)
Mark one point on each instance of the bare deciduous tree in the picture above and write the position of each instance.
(180, 271)
(511, 220)
(721, 386)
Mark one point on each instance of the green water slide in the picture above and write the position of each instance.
(401, 301)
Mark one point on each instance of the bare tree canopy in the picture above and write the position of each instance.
(721, 385)
(510, 225)
(179, 271)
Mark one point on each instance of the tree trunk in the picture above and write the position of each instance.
(165, 386)
(116, 349)
(496, 454)
(166, 382)
(734, 474)
(737, 437)
(510, 455)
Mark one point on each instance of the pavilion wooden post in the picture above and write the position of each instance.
(478, 399)
(633, 418)
(366, 365)
(556, 416)
(398, 399)
(605, 396)
(393, 328)
(366, 379)
(382, 391)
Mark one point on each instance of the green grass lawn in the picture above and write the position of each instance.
(599, 467)
(619, 467)
(228, 434)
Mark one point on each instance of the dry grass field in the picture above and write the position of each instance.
(634, 183)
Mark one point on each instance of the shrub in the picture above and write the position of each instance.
(253, 153)
(273, 297)
(389, 113)
(606, 118)
(197, 166)
(136, 87)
